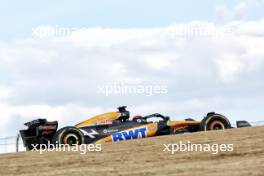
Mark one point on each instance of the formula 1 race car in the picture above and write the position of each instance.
(116, 126)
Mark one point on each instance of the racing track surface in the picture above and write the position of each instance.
(146, 157)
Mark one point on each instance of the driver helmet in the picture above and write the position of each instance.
(136, 118)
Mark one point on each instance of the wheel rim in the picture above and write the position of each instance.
(71, 139)
(217, 125)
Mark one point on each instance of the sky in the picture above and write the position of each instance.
(19, 17)
(202, 56)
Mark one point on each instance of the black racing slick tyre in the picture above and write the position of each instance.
(214, 122)
(69, 136)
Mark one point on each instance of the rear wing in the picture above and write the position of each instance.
(39, 131)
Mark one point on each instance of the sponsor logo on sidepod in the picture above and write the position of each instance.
(130, 134)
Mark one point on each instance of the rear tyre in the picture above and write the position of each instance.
(68, 135)
(214, 122)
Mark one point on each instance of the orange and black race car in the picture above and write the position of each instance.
(116, 126)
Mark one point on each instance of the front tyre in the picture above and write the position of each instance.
(68, 136)
(214, 122)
